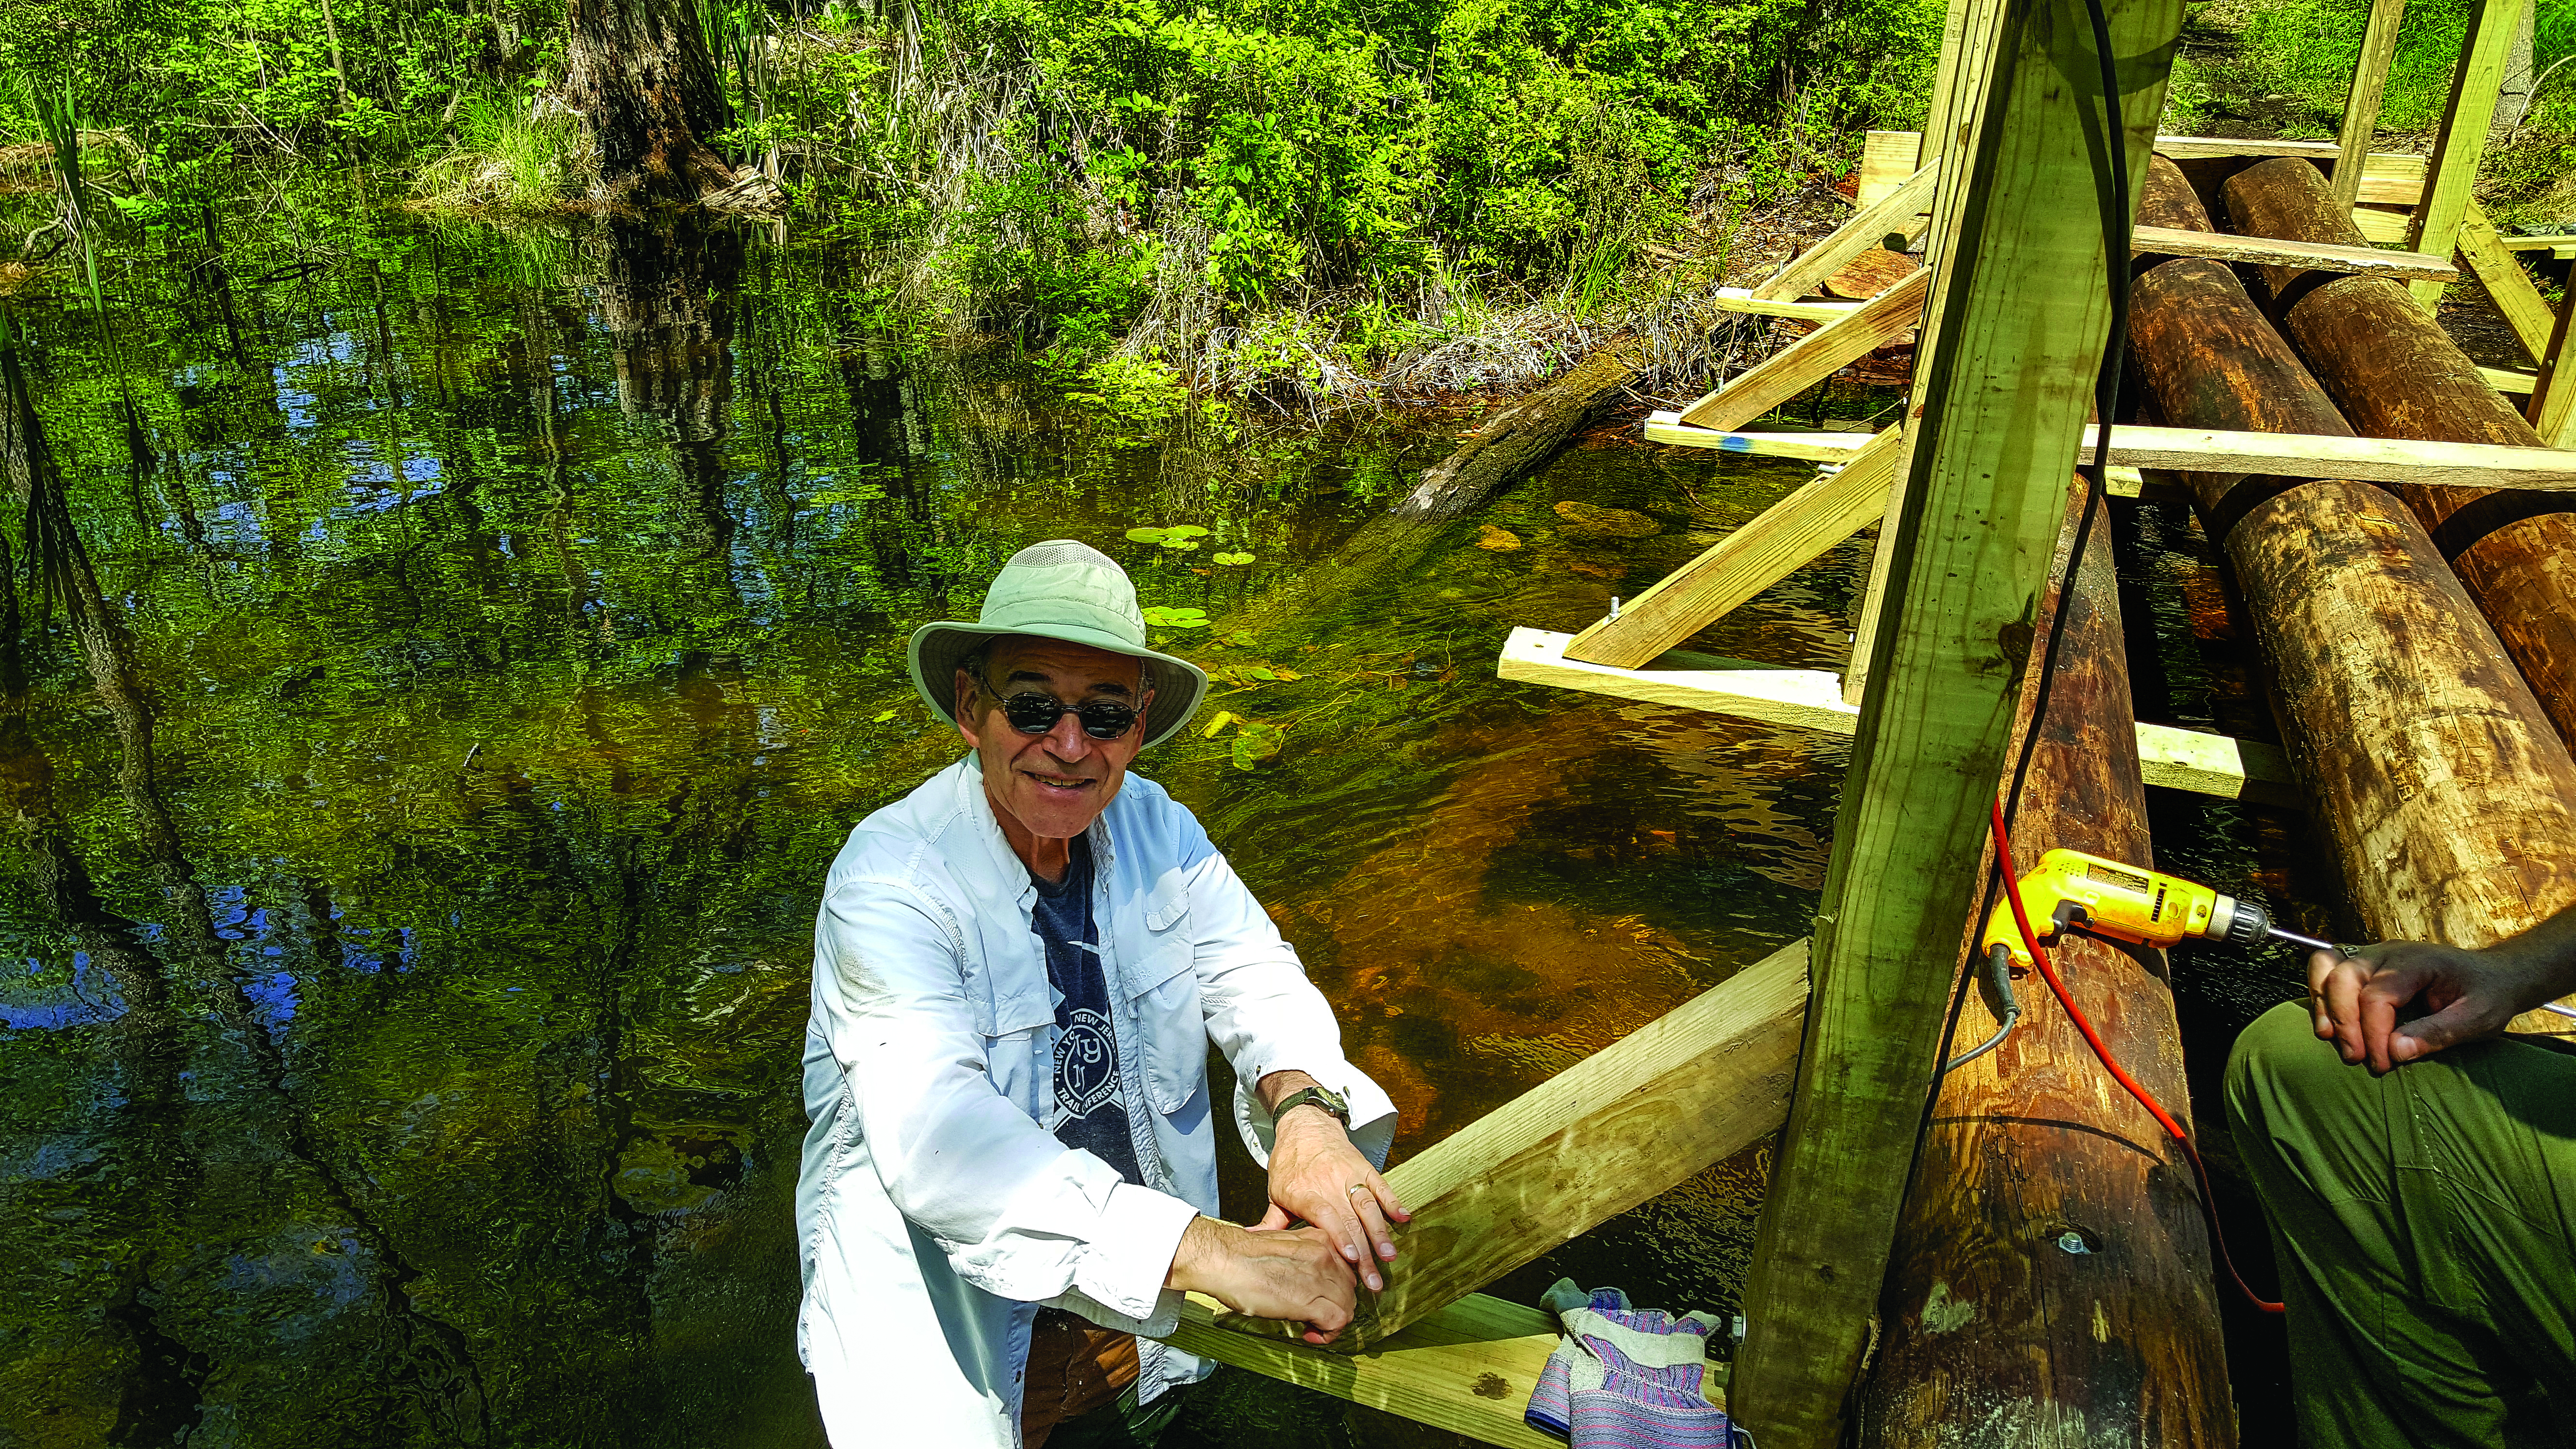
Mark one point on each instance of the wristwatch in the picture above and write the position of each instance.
(1324, 1097)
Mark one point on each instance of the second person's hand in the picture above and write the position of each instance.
(1296, 1276)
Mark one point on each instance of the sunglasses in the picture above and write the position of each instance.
(1036, 714)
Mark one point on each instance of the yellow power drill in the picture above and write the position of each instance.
(2143, 907)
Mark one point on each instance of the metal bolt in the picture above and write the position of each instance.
(2073, 1242)
(1614, 606)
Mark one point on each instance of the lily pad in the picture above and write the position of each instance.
(1234, 558)
(1166, 618)
(1217, 725)
(1589, 520)
(1178, 536)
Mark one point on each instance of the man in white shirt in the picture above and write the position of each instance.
(1018, 968)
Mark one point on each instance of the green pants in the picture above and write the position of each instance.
(2425, 1224)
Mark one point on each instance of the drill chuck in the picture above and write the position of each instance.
(2239, 923)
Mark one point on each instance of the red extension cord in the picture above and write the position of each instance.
(2093, 1039)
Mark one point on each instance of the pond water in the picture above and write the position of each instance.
(478, 647)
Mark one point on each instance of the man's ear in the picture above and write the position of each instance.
(966, 722)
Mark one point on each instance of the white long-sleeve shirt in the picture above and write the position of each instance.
(936, 1210)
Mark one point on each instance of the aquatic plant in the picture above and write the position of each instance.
(1181, 536)
(1161, 617)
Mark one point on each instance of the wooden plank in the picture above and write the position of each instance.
(1886, 159)
(2292, 455)
(1468, 1368)
(2538, 243)
(2378, 224)
(2463, 139)
(2361, 103)
(1667, 427)
(1767, 549)
(2507, 380)
(1690, 1088)
(2001, 394)
(1813, 358)
(2168, 756)
(2508, 285)
(2553, 392)
(1807, 271)
(2168, 241)
(1741, 299)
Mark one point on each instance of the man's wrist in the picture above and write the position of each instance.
(1190, 1256)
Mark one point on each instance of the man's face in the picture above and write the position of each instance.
(1055, 784)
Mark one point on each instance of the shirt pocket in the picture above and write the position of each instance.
(1164, 996)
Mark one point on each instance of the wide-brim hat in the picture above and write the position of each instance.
(1063, 590)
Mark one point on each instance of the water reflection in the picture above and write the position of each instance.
(422, 776)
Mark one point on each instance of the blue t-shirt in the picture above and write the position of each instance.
(1086, 1050)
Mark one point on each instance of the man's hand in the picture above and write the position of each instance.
(1297, 1276)
(1317, 1175)
(2468, 995)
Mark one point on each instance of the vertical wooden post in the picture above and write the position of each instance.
(2361, 106)
(2553, 393)
(2018, 322)
(2453, 175)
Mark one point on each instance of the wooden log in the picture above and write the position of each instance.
(2395, 373)
(1987, 1319)
(1521, 435)
(1870, 273)
(1813, 358)
(1767, 549)
(2019, 318)
(2447, 798)
(1690, 1088)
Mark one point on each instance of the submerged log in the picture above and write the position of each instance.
(1521, 436)
(1991, 1319)
(2446, 796)
(2396, 374)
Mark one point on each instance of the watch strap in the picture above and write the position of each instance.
(1329, 1101)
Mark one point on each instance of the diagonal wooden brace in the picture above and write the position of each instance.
(1813, 358)
(1754, 557)
(1893, 212)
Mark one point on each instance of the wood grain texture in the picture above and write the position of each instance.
(1870, 273)
(1807, 271)
(2507, 284)
(1468, 1368)
(1521, 435)
(1987, 1320)
(1768, 548)
(2314, 256)
(2396, 374)
(1813, 358)
(2361, 103)
(1886, 159)
(1690, 1088)
(2178, 759)
(2452, 174)
(2553, 392)
(2017, 326)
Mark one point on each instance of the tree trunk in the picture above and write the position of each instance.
(1992, 1320)
(2445, 795)
(2396, 374)
(639, 73)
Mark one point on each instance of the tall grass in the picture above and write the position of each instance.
(511, 155)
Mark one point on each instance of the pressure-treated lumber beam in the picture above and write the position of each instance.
(2361, 104)
(1468, 1368)
(1692, 1087)
(1741, 299)
(1813, 358)
(2462, 142)
(2177, 759)
(2166, 241)
(2553, 390)
(2388, 178)
(2507, 284)
(2001, 393)
(1764, 551)
(2217, 450)
(2557, 245)
(1667, 427)
(2507, 380)
(1807, 271)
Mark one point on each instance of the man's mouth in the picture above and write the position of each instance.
(1057, 782)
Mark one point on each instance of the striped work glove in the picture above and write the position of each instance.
(1625, 1378)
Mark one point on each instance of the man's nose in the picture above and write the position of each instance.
(1067, 741)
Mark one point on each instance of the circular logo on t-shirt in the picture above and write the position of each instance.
(1086, 1063)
